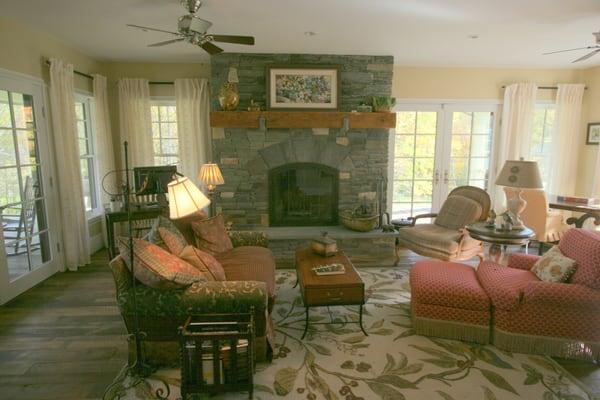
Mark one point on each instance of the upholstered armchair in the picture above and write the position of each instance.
(554, 319)
(446, 238)
(548, 225)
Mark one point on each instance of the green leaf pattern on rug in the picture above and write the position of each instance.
(284, 380)
(497, 380)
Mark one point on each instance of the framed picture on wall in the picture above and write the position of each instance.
(303, 87)
(593, 133)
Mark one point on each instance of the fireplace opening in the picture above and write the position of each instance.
(303, 194)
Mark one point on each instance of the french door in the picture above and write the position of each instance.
(27, 232)
(435, 148)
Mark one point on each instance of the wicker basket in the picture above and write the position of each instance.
(360, 224)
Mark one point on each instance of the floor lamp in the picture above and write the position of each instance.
(184, 199)
(211, 176)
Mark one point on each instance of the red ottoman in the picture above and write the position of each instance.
(448, 301)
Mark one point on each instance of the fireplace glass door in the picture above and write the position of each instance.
(303, 194)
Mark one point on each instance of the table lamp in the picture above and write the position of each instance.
(185, 198)
(518, 174)
(211, 176)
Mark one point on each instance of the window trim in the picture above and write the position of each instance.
(88, 100)
(165, 101)
(543, 105)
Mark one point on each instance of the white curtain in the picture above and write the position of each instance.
(75, 234)
(104, 142)
(134, 120)
(515, 133)
(565, 139)
(193, 125)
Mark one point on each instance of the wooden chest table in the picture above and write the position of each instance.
(328, 290)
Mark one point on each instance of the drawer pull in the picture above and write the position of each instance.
(335, 298)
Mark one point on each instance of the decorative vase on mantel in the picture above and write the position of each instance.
(229, 96)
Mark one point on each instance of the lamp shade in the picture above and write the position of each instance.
(185, 198)
(232, 75)
(211, 176)
(520, 174)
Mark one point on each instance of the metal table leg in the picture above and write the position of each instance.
(306, 324)
(360, 320)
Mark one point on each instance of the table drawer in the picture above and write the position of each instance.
(334, 296)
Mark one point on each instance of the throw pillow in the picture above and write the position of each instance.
(204, 262)
(211, 235)
(157, 268)
(554, 266)
(458, 212)
(175, 243)
(163, 222)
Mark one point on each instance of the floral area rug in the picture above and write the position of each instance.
(336, 361)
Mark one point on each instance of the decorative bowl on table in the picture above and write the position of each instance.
(360, 223)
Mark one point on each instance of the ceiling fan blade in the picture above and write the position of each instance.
(211, 48)
(588, 55)
(165, 42)
(145, 29)
(578, 48)
(248, 40)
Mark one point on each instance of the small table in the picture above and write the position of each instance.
(499, 239)
(328, 290)
(589, 211)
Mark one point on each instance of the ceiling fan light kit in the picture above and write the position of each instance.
(194, 30)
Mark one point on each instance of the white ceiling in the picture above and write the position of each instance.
(512, 33)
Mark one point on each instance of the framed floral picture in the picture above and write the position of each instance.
(593, 133)
(303, 87)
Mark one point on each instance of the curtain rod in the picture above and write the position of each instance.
(91, 77)
(547, 87)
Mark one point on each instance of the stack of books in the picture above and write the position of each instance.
(329, 269)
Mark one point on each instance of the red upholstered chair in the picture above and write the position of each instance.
(556, 319)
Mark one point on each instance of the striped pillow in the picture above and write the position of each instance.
(157, 268)
(204, 262)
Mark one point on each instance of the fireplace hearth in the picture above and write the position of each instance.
(303, 194)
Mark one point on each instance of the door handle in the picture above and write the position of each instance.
(446, 180)
(437, 176)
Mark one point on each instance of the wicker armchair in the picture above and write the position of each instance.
(446, 238)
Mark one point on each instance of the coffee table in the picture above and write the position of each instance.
(328, 290)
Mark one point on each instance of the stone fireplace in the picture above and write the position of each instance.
(299, 177)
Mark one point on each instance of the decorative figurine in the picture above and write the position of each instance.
(254, 106)
(491, 221)
(507, 221)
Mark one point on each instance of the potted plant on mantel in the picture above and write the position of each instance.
(383, 103)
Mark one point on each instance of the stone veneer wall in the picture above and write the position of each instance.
(246, 155)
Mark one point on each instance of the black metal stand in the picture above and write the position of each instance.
(139, 370)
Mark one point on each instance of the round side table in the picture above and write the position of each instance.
(499, 239)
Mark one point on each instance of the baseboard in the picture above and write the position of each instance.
(96, 243)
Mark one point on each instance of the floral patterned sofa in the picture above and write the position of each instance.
(250, 271)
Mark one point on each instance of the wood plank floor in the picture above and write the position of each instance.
(65, 339)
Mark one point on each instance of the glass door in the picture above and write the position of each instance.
(436, 148)
(27, 251)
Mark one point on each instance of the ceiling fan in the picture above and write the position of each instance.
(595, 49)
(193, 29)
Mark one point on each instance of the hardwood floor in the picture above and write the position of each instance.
(65, 339)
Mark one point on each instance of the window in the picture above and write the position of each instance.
(87, 155)
(541, 138)
(164, 133)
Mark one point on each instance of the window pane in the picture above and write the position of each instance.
(27, 147)
(427, 122)
(402, 191)
(85, 178)
(459, 168)
(171, 113)
(169, 130)
(405, 122)
(403, 168)
(480, 145)
(9, 186)
(5, 120)
(423, 191)
(425, 146)
(461, 122)
(478, 168)
(460, 146)
(405, 145)
(482, 123)
(23, 109)
(155, 130)
(40, 250)
(162, 113)
(31, 182)
(7, 148)
(81, 131)
(401, 210)
(79, 111)
(424, 168)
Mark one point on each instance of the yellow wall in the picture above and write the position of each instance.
(590, 113)
(26, 51)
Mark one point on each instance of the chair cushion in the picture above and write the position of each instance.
(554, 266)
(431, 236)
(162, 222)
(249, 263)
(204, 262)
(458, 212)
(583, 246)
(175, 243)
(211, 235)
(504, 285)
(447, 284)
(156, 267)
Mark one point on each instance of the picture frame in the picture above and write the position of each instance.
(593, 133)
(303, 87)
